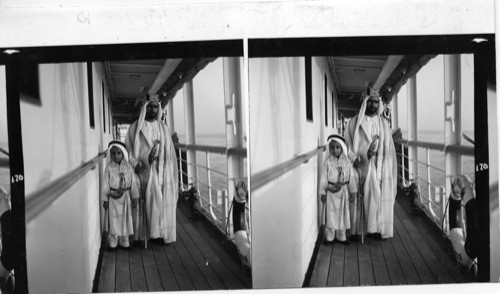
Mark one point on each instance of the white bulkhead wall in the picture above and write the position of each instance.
(57, 138)
(285, 212)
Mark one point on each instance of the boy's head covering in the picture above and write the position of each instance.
(340, 140)
(122, 147)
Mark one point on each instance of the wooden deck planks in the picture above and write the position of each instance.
(107, 276)
(164, 269)
(122, 272)
(438, 271)
(379, 266)
(407, 267)
(336, 272)
(351, 266)
(366, 276)
(414, 255)
(219, 268)
(393, 266)
(153, 279)
(200, 260)
(137, 276)
(194, 272)
(191, 263)
(320, 274)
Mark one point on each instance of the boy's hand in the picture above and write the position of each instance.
(105, 204)
(323, 198)
(334, 188)
(115, 194)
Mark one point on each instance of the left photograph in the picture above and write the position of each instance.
(128, 166)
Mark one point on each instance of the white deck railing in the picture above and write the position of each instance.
(434, 207)
(216, 209)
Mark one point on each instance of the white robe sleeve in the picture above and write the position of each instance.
(323, 184)
(105, 189)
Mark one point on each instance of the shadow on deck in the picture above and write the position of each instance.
(417, 254)
(200, 259)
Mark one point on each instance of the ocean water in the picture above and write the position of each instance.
(217, 162)
(437, 159)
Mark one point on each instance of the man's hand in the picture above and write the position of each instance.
(371, 153)
(323, 198)
(358, 163)
(139, 168)
(105, 204)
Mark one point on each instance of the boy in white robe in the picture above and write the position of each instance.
(152, 155)
(337, 186)
(120, 194)
(371, 149)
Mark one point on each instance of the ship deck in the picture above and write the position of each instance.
(417, 254)
(200, 259)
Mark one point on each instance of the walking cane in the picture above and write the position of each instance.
(325, 217)
(361, 200)
(145, 219)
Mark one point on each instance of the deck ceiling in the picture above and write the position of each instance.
(129, 82)
(353, 75)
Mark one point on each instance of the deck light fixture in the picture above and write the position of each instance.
(359, 71)
(479, 40)
(10, 51)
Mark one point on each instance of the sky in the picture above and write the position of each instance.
(430, 93)
(208, 92)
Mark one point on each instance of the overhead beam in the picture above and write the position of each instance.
(389, 66)
(410, 72)
(168, 68)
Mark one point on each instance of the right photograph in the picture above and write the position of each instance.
(369, 161)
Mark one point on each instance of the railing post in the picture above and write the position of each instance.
(210, 202)
(234, 123)
(190, 132)
(412, 129)
(403, 169)
(429, 192)
(452, 122)
(181, 173)
(442, 197)
(395, 113)
(170, 115)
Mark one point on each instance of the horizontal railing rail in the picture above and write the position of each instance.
(261, 178)
(433, 198)
(38, 201)
(240, 151)
(461, 149)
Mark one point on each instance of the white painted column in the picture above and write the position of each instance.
(170, 115)
(190, 130)
(395, 114)
(452, 121)
(412, 128)
(234, 129)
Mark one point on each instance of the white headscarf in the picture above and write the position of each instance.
(340, 140)
(142, 117)
(121, 146)
(361, 114)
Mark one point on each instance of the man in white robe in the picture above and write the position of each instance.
(152, 155)
(371, 148)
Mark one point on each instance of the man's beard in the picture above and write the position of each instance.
(150, 116)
